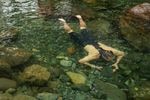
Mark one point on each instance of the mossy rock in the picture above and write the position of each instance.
(23, 97)
(108, 91)
(76, 78)
(7, 83)
(35, 74)
(14, 56)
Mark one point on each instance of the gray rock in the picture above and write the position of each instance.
(7, 83)
(14, 56)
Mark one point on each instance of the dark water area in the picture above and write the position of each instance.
(45, 64)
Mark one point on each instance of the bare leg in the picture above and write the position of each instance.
(66, 26)
(88, 58)
(82, 23)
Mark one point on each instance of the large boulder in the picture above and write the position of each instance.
(14, 56)
(7, 83)
(35, 74)
(135, 28)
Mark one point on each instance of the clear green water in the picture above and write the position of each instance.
(46, 40)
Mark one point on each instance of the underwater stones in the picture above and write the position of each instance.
(109, 91)
(90, 1)
(14, 56)
(4, 68)
(8, 36)
(6, 96)
(101, 25)
(142, 92)
(66, 63)
(23, 97)
(7, 83)
(71, 50)
(76, 78)
(35, 74)
(134, 25)
(48, 96)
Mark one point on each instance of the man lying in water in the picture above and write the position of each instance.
(94, 49)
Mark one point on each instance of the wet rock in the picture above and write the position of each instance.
(56, 72)
(101, 25)
(54, 85)
(5, 68)
(103, 90)
(81, 87)
(47, 96)
(90, 1)
(66, 63)
(10, 91)
(35, 74)
(45, 7)
(71, 50)
(135, 28)
(76, 78)
(8, 36)
(14, 56)
(23, 97)
(6, 96)
(7, 83)
(142, 92)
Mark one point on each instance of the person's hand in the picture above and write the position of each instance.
(115, 67)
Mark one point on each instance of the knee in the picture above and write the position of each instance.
(81, 61)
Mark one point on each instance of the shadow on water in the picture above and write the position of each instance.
(46, 40)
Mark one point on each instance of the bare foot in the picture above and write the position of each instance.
(62, 20)
(78, 16)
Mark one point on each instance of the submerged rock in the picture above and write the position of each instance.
(77, 78)
(8, 36)
(23, 97)
(66, 63)
(7, 83)
(14, 56)
(35, 74)
(47, 96)
(103, 90)
(135, 26)
(5, 68)
(142, 92)
(6, 96)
